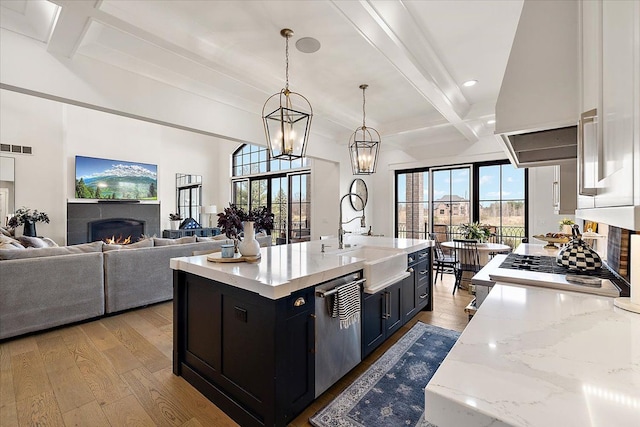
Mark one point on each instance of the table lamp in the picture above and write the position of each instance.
(210, 210)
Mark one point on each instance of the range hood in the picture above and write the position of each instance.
(547, 147)
(537, 107)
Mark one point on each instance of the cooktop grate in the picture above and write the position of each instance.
(547, 264)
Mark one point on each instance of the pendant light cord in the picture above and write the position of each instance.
(287, 63)
(364, 115)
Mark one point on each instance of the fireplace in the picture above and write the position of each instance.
(116, 228)
(82, 216)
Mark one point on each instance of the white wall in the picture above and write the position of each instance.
(39, 178)
(542, 218)
(58, 132)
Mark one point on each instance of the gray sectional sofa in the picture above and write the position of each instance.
(41, 288)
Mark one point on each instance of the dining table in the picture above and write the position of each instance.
(484, 249)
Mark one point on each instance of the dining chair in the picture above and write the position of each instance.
(441, 260)
(466, 259)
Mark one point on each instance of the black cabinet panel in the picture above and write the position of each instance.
(202, 343)
(373, 321)
(247, 343)
(394, 308)
(409, 297)
(300, 388)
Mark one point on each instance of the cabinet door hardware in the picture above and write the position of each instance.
(423, 272)
(423, 296)
(299, 302)
(410, 270)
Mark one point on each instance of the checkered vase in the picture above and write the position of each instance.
(577, 255)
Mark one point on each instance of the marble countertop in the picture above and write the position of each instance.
(482, 276)
(284, 269)
(540, 357)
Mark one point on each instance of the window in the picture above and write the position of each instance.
(282, 186)
(501, 201)
(451, 189)
(412, 212)
(189, 195)
(492, 193)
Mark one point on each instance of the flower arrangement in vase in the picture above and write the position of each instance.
(476, 231)
(234, 222)
(28, 218)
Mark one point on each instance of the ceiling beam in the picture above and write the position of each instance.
(71, 25)
(390, 28)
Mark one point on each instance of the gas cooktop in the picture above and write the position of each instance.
(547, 264)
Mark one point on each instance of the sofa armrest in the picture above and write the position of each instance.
(41, 293)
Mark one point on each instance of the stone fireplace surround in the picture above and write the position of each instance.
(81, 214)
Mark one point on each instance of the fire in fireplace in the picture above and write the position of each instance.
(116, 230)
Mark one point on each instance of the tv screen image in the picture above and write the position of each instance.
(115, 179)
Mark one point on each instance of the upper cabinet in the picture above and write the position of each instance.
(609, 130)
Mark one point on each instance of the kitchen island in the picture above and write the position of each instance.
(245, 333)
(540, 357)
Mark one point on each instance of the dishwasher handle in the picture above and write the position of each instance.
(324, 294)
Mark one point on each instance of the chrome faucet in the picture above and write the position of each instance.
(340, 223)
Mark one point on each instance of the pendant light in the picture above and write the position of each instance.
(364, 145)
(287, 117)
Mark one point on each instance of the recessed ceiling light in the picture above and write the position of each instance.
(490, 122)
(469, 83)
(308, 45)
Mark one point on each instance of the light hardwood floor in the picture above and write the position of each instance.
(116, 371)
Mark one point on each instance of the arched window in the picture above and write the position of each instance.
(283, 186)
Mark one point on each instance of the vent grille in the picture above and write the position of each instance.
(16, 149)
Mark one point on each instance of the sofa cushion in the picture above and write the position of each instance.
(37, 242)
(6, 254)
(157, 241)
(146, 243)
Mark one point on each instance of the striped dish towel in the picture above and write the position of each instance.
(346, 305)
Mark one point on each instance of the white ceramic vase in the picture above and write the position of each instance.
(175, 224)
(566, 228)
(249, 246)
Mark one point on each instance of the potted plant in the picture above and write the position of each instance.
(175, 219)
(234, 222)
(565, 225)
(476, 231)
(29, 218)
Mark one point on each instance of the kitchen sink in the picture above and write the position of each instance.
(382, 266)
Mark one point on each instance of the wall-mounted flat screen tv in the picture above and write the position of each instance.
(115, 179)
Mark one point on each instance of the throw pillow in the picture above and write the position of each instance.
(8, 254)
(166, 242)
(146, 243)
(8, 243)
(211, 239)
(11, 246)
(9, 232)
(37, 242)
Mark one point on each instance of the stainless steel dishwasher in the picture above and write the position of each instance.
(337, 350)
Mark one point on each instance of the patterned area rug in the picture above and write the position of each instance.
(391, 391)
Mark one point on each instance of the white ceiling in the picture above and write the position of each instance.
(413, 54)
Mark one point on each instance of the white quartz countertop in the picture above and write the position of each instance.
(482, 276)
(540, 357)
(284, 269)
